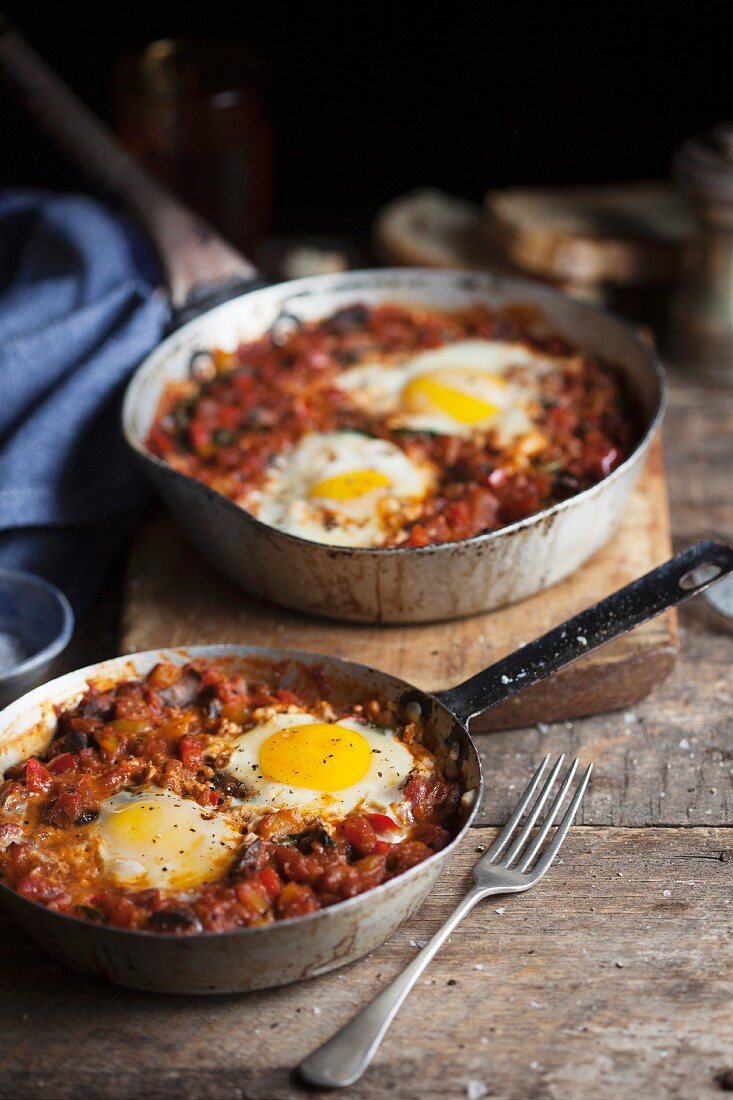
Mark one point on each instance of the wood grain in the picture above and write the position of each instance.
(551, 1016)
(570, 991)
(174, 598)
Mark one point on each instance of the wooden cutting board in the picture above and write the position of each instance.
(172, 597)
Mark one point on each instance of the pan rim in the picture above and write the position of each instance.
(234, 649)
(335, 282)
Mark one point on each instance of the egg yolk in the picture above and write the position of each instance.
(319, 756)
(350, 486)
(428, 392)
(163, 842)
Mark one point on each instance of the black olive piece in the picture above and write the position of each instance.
(346, 358)
(304, 841)
(348, 319)
(86, 817)
(183, 692)
(251, 859)
(173, 920)
(213, 707)
(91, 912)
(99, 706)
(566, 484)
(223, 437)
(230, 786)
(181, 415)
(325, 839)
(68, 740)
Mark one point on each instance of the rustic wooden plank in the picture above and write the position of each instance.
(667, 760)
(612, 979)
(699, 457)
(174, 598)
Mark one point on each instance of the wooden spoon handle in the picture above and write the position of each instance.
(196, 259)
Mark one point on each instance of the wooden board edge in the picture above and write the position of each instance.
(569, 694)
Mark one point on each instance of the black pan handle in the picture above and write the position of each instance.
(201, 268)
(682, 577)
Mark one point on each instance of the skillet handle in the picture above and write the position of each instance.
(682, 577)
(200, 267)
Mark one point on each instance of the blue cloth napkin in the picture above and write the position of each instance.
(79, 309)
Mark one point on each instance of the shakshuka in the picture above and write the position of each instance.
(393, 426)
(195, 800)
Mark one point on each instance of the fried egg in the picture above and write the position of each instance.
(153, 838)
(324, 769)
(461, 388)
(340, 487)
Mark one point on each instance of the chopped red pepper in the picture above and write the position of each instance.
(382, 824)
(37, 777)
(191, 752)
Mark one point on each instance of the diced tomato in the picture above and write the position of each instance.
(406, 855)
(200, 436)
(600, 455)
(69, 805)
(483, 507)
(428, 797)
(20, 857)
(159, 441)
(297, 867)
(521, 497)
(123, 912)
(37, 777)
(36, 887)
(64, 762)
(418, 536)
(296, 900)
(191, 752)
(286, 696)
(253, 896)
(361, 835)
(457, 514)
(434, 836)
(365, 874)
(269, 878)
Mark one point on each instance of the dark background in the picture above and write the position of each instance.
(366, 104)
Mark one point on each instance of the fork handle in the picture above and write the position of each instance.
(343, 1059)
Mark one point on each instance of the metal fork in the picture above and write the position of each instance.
(342, 1060)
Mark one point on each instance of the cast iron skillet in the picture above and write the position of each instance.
(404, 584)
(274, 954)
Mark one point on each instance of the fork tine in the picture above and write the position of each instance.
(506, 833)
(562, 828)
(547, 823)
(533, 815)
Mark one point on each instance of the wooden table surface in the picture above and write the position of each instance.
(614, 978)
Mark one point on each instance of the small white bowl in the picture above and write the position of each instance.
(36, 624)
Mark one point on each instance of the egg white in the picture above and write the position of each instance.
(474, 367)
(290, 500)
(380, 789)
(153, 838)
